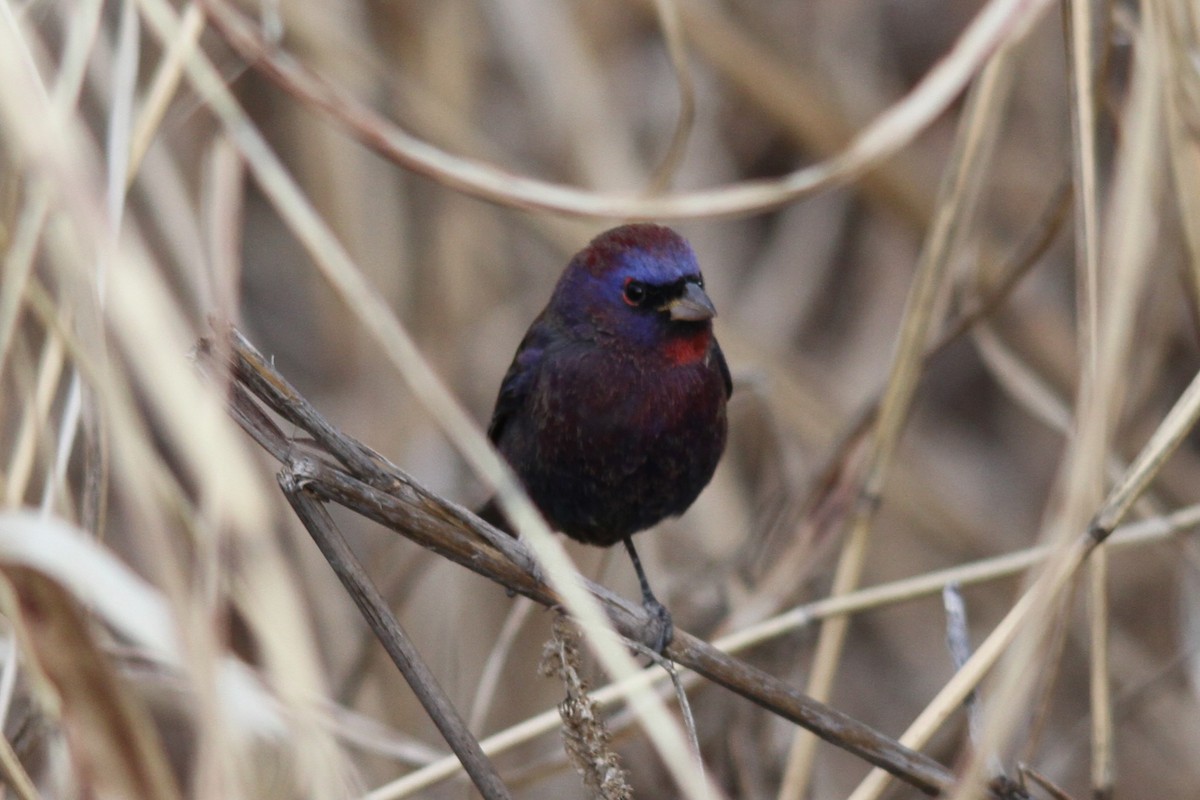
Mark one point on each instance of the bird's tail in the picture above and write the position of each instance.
(491, 514)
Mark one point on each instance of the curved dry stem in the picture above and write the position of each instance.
(489, 681)
(672, 26)
(999, 22)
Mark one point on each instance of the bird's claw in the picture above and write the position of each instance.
(660, 629)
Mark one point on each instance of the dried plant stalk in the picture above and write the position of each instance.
(587, 741)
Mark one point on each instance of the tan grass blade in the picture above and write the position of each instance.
(670, 19)
(124, 601)
(116, 749)
(972, 152)
(1081, 32)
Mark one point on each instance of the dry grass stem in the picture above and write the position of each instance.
(1103, 745)
(972, 152)
(489, 681)
(585, 737)
(673, 34)
(166, 83)
(110, 731)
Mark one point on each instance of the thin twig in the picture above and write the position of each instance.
(1055, 791)
(1134, 534)
(261, 379)
(685, 707)
(387, 629)
(958, 642)
(489, 679)
(1100, 688)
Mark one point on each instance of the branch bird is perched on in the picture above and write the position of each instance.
(612, 413)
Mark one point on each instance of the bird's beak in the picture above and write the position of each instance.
(692, 306)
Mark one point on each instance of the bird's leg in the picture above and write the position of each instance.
(661, 629)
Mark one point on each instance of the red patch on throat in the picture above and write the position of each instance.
(687, 349)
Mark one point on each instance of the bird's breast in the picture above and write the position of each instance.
(628, 405)
(615, 445)
(687, 349)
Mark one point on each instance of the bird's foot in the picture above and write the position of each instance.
(660, 629)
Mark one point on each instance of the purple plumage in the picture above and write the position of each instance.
(613, 410)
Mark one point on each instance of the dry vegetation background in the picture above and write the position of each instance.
(237, 639)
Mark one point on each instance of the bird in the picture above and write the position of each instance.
(613, 411)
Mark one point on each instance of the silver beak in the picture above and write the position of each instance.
(692, 306)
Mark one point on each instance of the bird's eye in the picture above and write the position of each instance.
(635, 292)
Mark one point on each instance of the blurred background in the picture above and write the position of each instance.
(811, 297)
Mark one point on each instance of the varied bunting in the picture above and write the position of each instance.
(612, 413)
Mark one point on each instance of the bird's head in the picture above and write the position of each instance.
(639, 283)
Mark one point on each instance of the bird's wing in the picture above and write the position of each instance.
(724, 371)
(521, 375)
